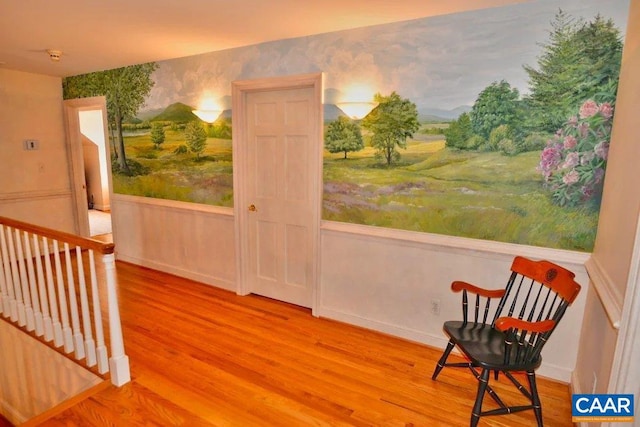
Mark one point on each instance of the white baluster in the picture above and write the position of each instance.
(24, 283)
(119, 361)
(17, 292)
(4, 296)
(35, 299)
(89, 344)
(6, 287)
(73, 303)
(101, 349)
(62, 301)
(55, 319)
(44, 301)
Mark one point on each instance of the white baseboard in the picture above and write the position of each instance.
(102, 207)
(438, 341)
(166, 268)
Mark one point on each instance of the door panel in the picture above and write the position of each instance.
(266, 238)
(296, 238)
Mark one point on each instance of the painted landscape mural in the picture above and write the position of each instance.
(491, 124)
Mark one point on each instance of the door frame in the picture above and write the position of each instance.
(239, 91)
(71, 108)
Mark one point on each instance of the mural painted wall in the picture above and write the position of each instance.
(491, 124)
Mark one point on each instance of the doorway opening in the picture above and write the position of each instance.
(90, 163)
(94, 153)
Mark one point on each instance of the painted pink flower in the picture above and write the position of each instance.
(602, 150)
(598, 175)
(587, 192)
(571, 161)
(571, 178)
(573, 121)
(570, 142)
(549, 160)
(606, 110)
(589, 108)
(587, 157)
(583, 129)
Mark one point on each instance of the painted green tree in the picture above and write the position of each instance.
(196, 137)
(393, 121)
(125, 90)
(581, 60)
(157, 134)
(221, 128)
(497, 104)
(458, 132)
(343, 135)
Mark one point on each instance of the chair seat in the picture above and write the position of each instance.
(485, 347)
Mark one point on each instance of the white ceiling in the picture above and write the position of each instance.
(102, 34)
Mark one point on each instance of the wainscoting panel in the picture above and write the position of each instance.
(185, 239)
(386, 280)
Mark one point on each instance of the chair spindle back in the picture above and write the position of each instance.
(537, 291)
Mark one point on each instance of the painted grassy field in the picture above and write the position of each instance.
(431, 189)
(182, 177)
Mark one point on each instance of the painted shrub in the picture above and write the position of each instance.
(574, 161)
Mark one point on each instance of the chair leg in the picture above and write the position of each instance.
(443, 359)
(483, 381)
(535, 399)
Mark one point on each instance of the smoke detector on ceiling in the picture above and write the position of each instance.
(54, 54)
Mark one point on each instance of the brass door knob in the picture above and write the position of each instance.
(253, 208)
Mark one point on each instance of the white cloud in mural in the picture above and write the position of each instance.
(345, 69)
(440, 62)
(187, 79)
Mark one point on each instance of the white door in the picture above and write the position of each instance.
(278, 171)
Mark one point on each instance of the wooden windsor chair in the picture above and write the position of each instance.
(509, 337)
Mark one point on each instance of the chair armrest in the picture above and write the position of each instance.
(458, 286)
(505, 323)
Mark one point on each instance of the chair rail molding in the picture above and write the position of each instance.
(609, 295)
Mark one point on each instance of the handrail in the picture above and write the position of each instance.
(46, 290)
(84, 242)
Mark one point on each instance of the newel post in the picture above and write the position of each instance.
(119, 361)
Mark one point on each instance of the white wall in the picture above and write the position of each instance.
(34, 181)
(380, 279)
(185, 239)
(385, 279)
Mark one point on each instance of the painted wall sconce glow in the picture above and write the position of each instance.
(357, 100)
(208, 116)
(356, 110)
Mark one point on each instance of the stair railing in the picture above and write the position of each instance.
(52, 287)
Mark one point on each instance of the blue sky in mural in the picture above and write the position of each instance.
(440, 63)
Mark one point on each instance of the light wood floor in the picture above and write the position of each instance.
(204, 356)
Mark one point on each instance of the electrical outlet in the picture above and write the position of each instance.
(31, 144)
(435, 307)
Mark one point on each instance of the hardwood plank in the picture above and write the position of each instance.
(205, 356)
